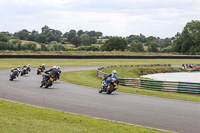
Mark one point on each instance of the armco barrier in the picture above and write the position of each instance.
(166, 86)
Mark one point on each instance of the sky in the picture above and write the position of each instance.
(159, 18)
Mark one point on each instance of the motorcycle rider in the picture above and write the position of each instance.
(18, 70)
(59, 72)
(29, 67)
(51, 72)
(43, 66)
(112, 76)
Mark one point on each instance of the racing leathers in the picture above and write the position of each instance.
(51, 72)
(112, 77)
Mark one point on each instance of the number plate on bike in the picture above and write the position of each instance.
(51, 79)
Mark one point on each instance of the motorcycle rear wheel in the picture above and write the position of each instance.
(48, 84)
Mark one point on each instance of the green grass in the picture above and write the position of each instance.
(84, 52)
(8, 63)
(21, 118)
(88, 78)
(136, 72)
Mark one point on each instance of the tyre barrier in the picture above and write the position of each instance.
(102, 56)
(166, 86)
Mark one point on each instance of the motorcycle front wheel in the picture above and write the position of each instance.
(100, 90)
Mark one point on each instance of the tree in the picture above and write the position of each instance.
(22, 35)
(153, 46)
(3, 37)
(85, 41)
(115, 43)
(92, 34)
(76, 41)
(136, 46)
(189, 39)
(41, 38)
(65, 35)
(167, 42)
(43, 47)
(71, 34)
(99, 35)
(80, 32)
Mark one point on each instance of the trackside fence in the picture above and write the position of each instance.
(166, 86)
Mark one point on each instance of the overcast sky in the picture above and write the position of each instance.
(160, 18)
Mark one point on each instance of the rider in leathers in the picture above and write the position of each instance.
(112, 77)
(51, 72)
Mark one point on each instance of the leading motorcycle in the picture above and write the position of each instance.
(110, 87)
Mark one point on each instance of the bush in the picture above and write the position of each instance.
(54, 46)
(88, 48)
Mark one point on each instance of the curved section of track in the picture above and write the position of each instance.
(160, 113)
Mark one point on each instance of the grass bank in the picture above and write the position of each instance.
(21, 118)
(8, 63)
(136, 72)
(88, 78)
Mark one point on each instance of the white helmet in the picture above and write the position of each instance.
(54, 67)
(114, 71)
(29, 65)
(58, 67)
(43, 64)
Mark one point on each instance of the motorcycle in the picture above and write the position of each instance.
(40, 70)
(112, 86)
(28, 69)
(49, 82)
(24, 71)
(13, 75)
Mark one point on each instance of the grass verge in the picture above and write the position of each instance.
(21, 118)
(88, 78)
(9, 63)
(136, 72)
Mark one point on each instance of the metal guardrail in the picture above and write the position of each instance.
(166, 86)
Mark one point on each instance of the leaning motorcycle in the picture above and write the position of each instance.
(112, 86)
(13, 75)
(40, 70)
(49, 82)
(24, 71)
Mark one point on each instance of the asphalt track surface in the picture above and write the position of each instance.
(161, 113)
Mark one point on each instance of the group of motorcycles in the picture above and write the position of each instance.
(17, 71)
(47, 79)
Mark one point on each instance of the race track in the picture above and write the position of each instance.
(161, 113)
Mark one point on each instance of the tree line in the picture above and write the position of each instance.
(52, 40)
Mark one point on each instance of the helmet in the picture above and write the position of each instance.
(114, 71)
(29, 65)
(43, 64)
(58, 67)
(54, 67)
